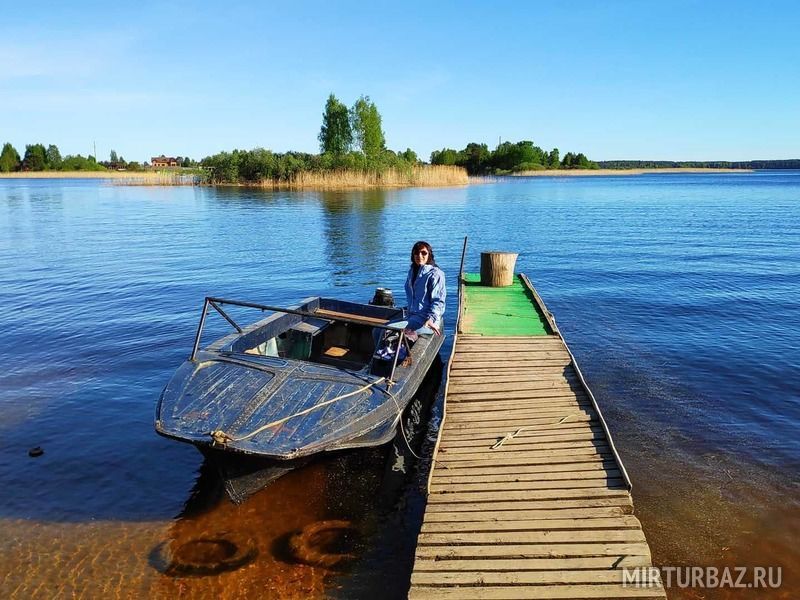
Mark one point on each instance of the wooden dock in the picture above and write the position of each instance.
(527, 496)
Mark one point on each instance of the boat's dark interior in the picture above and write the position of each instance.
(340, 344)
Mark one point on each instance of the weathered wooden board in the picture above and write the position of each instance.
(516, 565)
(526, 592)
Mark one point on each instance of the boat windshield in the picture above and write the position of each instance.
(332, 332)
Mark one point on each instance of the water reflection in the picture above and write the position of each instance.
(354, 234)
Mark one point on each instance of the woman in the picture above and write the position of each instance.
(425, 292)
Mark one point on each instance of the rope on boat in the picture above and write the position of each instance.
(402, 429)
(222, 438)
(510, 436)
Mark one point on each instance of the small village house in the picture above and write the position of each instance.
(165, 161)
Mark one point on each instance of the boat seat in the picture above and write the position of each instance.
(343, 357)
(336, 352)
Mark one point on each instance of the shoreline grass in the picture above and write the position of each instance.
(614, 172)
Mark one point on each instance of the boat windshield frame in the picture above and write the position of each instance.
(214, 302)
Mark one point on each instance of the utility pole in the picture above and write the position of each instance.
(94, 145)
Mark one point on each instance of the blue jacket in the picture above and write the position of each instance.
(425, 295)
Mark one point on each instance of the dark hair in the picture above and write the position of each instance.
(419, 246)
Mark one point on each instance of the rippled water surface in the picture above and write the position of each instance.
(677, 293)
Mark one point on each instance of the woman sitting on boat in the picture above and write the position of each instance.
(425, 292)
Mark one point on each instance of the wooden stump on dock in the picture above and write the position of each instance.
(497, 268)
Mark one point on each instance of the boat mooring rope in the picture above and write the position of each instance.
(222, 438)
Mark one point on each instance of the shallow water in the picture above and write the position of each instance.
(677, 293)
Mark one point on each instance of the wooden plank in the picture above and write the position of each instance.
(530, 429)
(472, 353)
(522, 505)
(549, 577)
(534, 396)
(445, 478)
(554, 416)
(514, 358)
(515, 416)
(519, 364)
(527, 495)
(515, 405)
(503, 454)
(322, 312)
(495, 406)
(531, 393)
(520, 442)
(534, 592)
(507, 459)
(523, 413)
(515, 445)
(498, 486)
(550, 426)
(499, 516)
(517, 459)
(540, 437)
(517, 374)
(531, 537)
(516, 565)
(544, 550)
(558, 415)
(470, 343)
(510, 369)
(520, 382)
(591, 467)
(504, 355)
(621, 522)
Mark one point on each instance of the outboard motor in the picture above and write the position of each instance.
(383, 297)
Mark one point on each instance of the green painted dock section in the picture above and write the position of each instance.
(501, 311)
(527, 496)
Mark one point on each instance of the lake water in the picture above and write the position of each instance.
(678, 295)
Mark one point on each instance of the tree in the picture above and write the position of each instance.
(53, 157)
(367, 129)
(409, 156)
(335, 135)
(187, 162)
(113, 158)
(9, 159)
(445, 156)
(35, 158)
(476, 158)
(553, 159)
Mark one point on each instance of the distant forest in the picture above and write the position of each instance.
(704, 164)
(509, 157)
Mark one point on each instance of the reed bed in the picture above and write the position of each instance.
(421, 175)
(415, 176)
(160, 179)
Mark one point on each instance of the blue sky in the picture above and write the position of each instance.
(637, 80)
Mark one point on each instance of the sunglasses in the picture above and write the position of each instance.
(421, 252)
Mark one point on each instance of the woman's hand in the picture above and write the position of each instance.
(431, 325)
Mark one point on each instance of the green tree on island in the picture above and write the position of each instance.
(367, 130)
(53, 157)
(35, 158)
(553, 160)
(336, 135)
(9, 159)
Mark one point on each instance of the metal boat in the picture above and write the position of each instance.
(304, 380)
